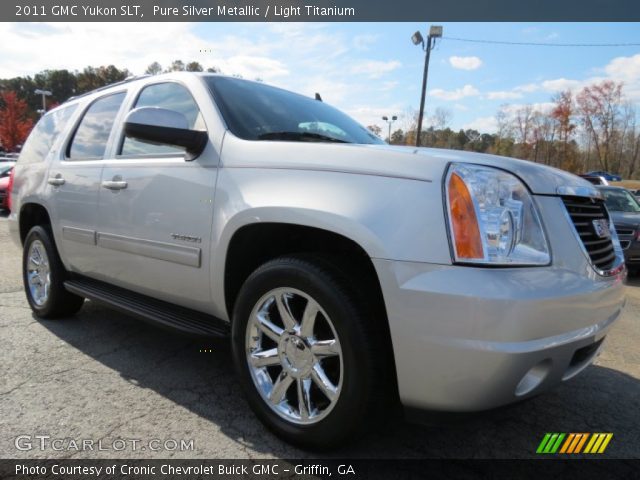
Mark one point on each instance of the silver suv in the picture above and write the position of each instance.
(350, 275)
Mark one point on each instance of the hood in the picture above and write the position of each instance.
(625, 218)
(426, 164)
(541, 179)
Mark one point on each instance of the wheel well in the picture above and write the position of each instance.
(32, 214)
(253, 245)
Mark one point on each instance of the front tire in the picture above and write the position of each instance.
(43, 275)
(305, 352)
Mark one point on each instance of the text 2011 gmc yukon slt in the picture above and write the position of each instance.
(348, 272)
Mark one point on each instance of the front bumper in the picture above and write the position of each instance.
(470, 339)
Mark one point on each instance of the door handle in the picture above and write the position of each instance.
(56, 181)
(114, 184)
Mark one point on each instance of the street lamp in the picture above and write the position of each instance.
(435, 31)
(45, 94)
(393, 119)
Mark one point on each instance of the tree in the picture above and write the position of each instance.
(441, 118)
(397, 137)
(194, 67)
(154, 69)
(213, 70)
(599, 107)
(504, 143)
(523, 128)
(15, 124)
(61, 83)
(176, 66)
(375, 129)
(91, 78)
(563, 113)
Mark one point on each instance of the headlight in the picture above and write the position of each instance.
(492, 218)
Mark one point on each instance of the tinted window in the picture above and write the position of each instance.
(44, 135)
(255, 111)
(90, 139)
(170, 96)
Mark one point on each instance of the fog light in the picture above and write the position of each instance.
(533, 378)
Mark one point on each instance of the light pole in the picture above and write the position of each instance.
(435, 31)
(45, 94)
(393, 119)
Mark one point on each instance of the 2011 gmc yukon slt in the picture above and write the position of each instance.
(348, 273)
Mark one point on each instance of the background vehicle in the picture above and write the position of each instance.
(610, 177)
(350, 274)
(5, 173)
(625, 214)
(595, 179)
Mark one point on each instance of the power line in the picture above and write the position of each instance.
(542, 44)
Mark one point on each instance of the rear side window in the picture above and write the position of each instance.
(170, 96)
(44, 135)
(90, 139)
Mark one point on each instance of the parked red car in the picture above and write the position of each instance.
(5, 177)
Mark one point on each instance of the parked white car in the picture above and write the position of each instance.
(350, 274)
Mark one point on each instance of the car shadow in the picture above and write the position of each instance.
(199, 376)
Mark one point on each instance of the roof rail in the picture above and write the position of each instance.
(129, 79)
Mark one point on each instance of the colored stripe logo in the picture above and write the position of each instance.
(574, 443)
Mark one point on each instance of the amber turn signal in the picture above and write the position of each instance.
(464, 223)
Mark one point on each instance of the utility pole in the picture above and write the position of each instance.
(435, 31)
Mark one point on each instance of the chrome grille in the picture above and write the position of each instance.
(583, 211)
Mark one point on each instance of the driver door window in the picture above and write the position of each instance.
(171, 96)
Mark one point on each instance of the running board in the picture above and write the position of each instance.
(154, 311)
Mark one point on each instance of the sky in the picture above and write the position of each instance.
(366, 69)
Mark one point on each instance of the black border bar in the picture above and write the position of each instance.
(319, 10)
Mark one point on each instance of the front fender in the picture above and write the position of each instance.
(390, 218)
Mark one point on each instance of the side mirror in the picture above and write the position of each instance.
(160, 126)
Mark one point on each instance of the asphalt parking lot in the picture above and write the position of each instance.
(104, 376)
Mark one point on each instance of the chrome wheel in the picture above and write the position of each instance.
(294, 355)
(38, 273)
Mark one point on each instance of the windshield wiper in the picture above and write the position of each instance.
(299, 137)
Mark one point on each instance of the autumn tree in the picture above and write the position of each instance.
(15, 124)
(599, 107)
(563, 115)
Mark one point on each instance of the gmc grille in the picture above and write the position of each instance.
(583, 211)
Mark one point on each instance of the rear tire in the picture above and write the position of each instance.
(315, 383)
(43, 275)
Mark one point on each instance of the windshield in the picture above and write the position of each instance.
(254, 111)
(620, 201)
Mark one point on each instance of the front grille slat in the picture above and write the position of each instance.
(582, 212)
(593, 243)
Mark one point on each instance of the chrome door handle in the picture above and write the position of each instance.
(114, 184)
(56, 181)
